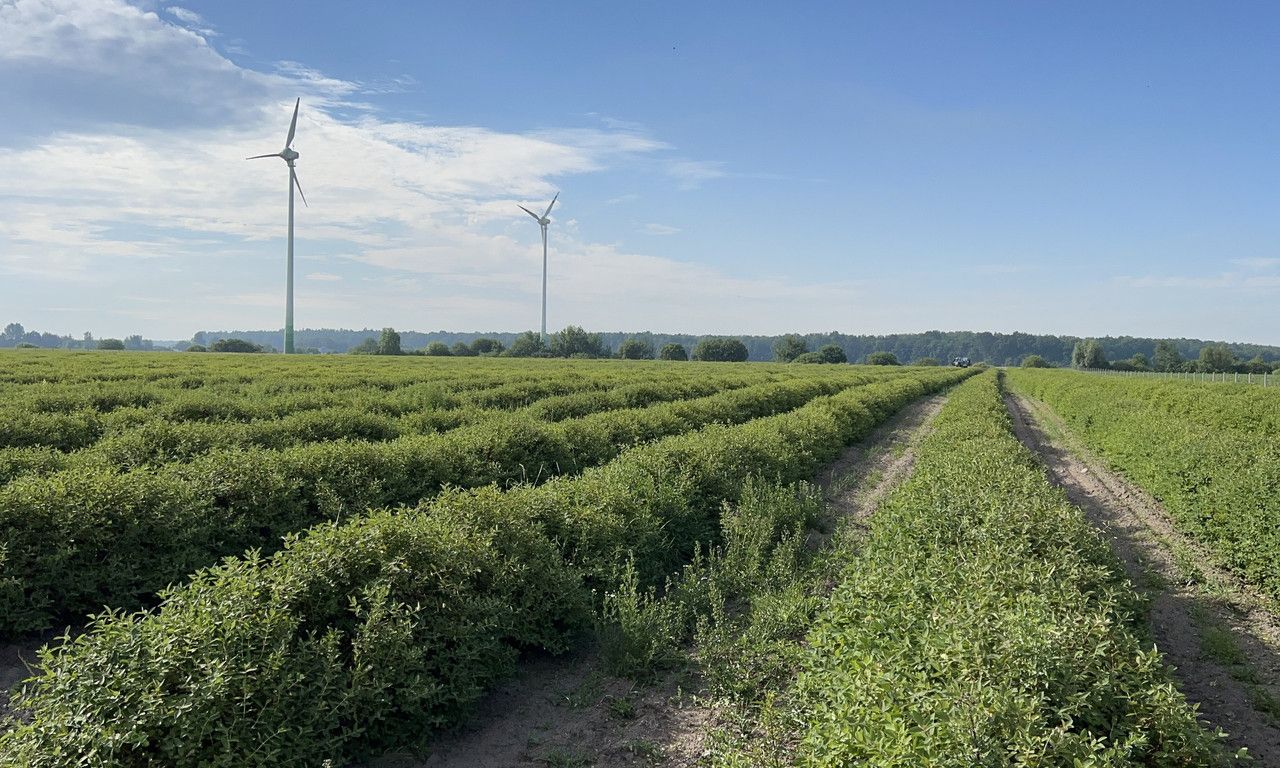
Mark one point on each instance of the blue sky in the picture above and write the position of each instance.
(1104, 168)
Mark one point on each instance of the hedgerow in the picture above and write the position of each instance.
(83, 538)
(360, 636)
(1207, 452)
(980, 622)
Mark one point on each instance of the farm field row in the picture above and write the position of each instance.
(364, 635)
(90, 535)
(1207, 453)
(980, 621)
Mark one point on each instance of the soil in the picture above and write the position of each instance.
(568, 712)
(1195, 608)
(18, 661)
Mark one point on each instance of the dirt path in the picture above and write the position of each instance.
(567, 712)
(1220, 639)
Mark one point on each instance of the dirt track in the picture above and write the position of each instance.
(567, 712)
(1198, 612)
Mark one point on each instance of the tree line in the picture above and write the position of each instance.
(1166, 357)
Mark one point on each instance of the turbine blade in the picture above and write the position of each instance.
(258, 157)
(293, 124)
(293, 174)
(531, 213)
(553, 202)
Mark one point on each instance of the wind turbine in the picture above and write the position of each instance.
(543, 221)
(288, 155)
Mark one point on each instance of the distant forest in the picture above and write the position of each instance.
(994, 348)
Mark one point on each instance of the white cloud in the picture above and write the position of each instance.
(661, 229)
(1257, 263)
(693, 173)
(426, 212)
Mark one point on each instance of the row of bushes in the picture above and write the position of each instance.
(1207, 452)
(25, 423)
(76, 540)
(158, 441)
(981, 622)
(361, 636)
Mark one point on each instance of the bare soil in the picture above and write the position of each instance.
(567, 712)
(1219, 638)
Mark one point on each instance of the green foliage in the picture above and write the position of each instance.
(1088, 354)
(486, 347)
(367, 347)
(1167, 357)
(461, 349)
(831, 353)
(635, 349)
(527, 344)
(673, 351)
(1207, 452)
(926, 361)
(789, 347)
(573, 341)
(235, 345)
(364, 635)
(1217, 358)
(437, 349)
(720, 350)
(1035, 361)
(114, 344)
(981, 622)
(389, 342)
(196, 348)
(882, 358)
(226, 490)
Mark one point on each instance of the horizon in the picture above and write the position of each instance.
(1088, 172)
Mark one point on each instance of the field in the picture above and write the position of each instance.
(287, 561)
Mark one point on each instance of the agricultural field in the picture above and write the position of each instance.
(275, 561)
(345, 485)
(1210, 453)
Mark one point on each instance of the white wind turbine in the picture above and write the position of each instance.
(543, 221)
(288, 155)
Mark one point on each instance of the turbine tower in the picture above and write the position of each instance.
(288, 156)
(543, 221)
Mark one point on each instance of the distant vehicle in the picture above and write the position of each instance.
(961, 362)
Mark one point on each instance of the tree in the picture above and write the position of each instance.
(1167, 357)
(133, 342)
(110, 344)
(13, 332)
(26, 345)
(1035, 361)
(460, 349)
(527, 344)
(197, 348)
(437, 349)
(720, 350)
(235, 345)
(1257, 365)
(673, 351)
(573, 341)
(635, 349)
(1088, 354)
(832, 353)
(483, 346)
(882, 358)
(389, 342)
(926, 361)
(367, 347)
(1216, 358)
(1139, 362)
(789, 347)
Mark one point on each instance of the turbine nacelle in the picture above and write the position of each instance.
(289, 155)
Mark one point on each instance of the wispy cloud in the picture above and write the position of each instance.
(1257, 263)
(661, 229)
(691, 174)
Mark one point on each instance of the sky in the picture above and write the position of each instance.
(741, 167)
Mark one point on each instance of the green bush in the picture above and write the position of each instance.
(720, 350)
(362, 636)
(673, 351)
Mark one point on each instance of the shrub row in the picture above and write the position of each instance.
(361, 636)
(982, 622)
(1207, 452)
(77, 540)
